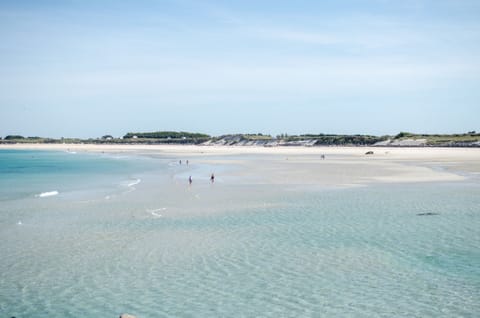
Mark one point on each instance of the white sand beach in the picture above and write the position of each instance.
(342, 166)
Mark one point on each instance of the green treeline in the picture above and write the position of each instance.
(13, 137)
(167, 135)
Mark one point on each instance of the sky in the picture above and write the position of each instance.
(80, 68)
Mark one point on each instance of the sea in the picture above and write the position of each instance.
(100, 234)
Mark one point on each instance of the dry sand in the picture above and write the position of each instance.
(343, 166)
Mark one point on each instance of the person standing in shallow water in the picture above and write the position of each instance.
(190, 180)
(212, 178)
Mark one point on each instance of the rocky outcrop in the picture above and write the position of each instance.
(240, 140)
(425, 142)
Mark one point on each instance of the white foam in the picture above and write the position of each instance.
(154, 212)
(131, 184)
(47, 194)
(19, 223)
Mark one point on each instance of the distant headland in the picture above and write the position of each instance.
(403, 139)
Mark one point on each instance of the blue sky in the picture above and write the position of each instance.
(89, 68)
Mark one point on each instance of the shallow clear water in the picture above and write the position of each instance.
(129, 235)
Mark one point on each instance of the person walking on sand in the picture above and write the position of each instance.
(212, 178)
(190, 180)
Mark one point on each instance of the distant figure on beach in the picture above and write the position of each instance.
(187, 162)
(323, 157)
(180, 161)
(212, 178)
(190, 180)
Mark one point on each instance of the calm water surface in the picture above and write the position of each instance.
(119, 233)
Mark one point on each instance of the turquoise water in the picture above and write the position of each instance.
(28, 173)
(127, 234)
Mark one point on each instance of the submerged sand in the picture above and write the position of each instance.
(342, 166)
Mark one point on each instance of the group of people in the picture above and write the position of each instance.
(212, 179)
(190, 180)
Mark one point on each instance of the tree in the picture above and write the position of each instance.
(12, 137)
(403, 134)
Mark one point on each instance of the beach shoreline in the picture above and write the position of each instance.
(175, 148)
(342, 166)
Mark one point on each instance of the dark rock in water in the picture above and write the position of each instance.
(127, 316)
(369, 153)
(427, 214)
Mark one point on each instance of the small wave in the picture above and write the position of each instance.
(155, 213)
(71, 152)
(131, 184)
(47, 194)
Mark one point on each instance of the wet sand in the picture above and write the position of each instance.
(342, 166)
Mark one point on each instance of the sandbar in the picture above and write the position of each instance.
(342, 166)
